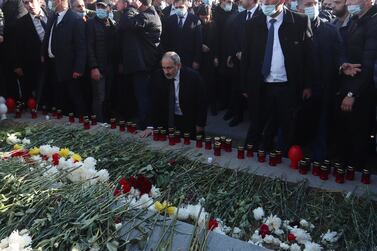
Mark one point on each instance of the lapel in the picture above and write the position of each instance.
(261, 29)
(284, 31)
(65, 18)
(31, 26)
(187, 23)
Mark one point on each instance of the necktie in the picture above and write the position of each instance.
(248, 15)
(42, 22)
(53, 29)
(180, 23)
(171, 103)
(266, 68)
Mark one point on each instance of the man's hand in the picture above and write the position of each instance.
(195, 65)
(19, 72)
(76, 75)
(216, 62)
(205, 48)
(307, 93)
(199, 129)
(347, 104)
(350, 69)
(146, 133)
(229, 62)
(95, 74)
(239, 55)
(1, 39)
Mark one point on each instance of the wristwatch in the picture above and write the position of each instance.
(350, 94)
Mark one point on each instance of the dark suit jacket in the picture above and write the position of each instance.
(70, 46)
(12, 10)
(191, 98)
(295, 36)
(27, 46)
(186, 41)
(140, 39)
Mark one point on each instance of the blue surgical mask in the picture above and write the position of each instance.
(354, 9)
(228, 7)
(181, 12)
(207, 2)
(269, 9)
(312, 12)
(51, 5)
(81, 14)
(102, 14)
(294, 6)
(240, 8)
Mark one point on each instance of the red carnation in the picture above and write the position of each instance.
(143, 184)
(116, 192)
(133, 182)
(212, 224)
(291, 237)
(55, 159)
(20, 153)
(126, 188)
(264, 230)
(172, 162)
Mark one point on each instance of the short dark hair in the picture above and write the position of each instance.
(146, 2)
(183, 1)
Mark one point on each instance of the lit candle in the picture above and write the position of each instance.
(316, 170)
(261, 156)
(228, 145)
(186, 138)
(272, 159)
(33, 114)
(171, 139)
(199, 141)
(339, 176)
(240, 152)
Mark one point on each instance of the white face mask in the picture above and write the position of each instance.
(228, 7)
(294, 5)
(269, 9)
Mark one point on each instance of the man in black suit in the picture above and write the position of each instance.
(178, 97)
(276, 71)
(140, 30)
(182, 34)
(64, 50)
(30, 32)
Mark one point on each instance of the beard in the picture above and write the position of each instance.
(340, 13)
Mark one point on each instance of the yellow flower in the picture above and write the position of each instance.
(18, 147)
(64, 152)
(34, 151)
(159, 207)
(171, 210)
(76, 157)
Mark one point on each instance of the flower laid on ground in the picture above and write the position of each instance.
(17, 241)
(258, 213)
(165, 208)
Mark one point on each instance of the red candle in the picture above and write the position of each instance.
(316, 170)
(279, 156)
(122, 126)
(335, 169)
(33, 114)
(303, 167)
(350, 175)
(272, 159)
(156, 135)
(59, 114)
(250, 151)
(44, 110)
(324, 173)
(94, 119)
(199, 141)
(171, 130)
(241, 152)
(171, 139)
(81, 119)
(365, 177)
(222, 141)
(53, 111)
(295, 154)
(129, 126)
(261, 156)
(186, 138)
(177, 136)
(208, 143)
(228, 145)
(339, 176)
(133, 128)
(217, 149)
(71, 117)
(163, 135)
(86, 124)
(18, 113)
(113, 123)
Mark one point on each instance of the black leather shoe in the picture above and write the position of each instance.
(228, 115)
(235, 122)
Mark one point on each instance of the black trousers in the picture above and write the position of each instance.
(276, 111)
(237, 101)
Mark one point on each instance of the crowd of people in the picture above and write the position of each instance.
(303, 70)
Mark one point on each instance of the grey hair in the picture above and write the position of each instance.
(173, 56)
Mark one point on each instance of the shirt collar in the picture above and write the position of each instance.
(62, 13)
(178, 75)
(278, 18)
(252, 10)
(42, 14)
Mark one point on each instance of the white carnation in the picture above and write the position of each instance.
(295, 247)
(26, 141)
(144, 202)
(12, 139)
(155, 192)
(17, 241)
(183, 213)
(218, 230)
(237, 233)
(273, 222)
(312, 246)
(118, 226)
(258, 213)
(305, 224)
(103, 175)
(284, 246)
(330, 237)
(256, 238)
(90, 163)
(301, 235)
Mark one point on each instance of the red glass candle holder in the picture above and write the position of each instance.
(365, 177)
(335, 169)
(44, 110)
(279, 156)
(217, 149)
(71, 117)
(81, 119)
(272, 160)
(93, 119)
(222, 141)
(350, 174)
(303, 167)
(171, 130)
(316, 169)
(228, 145)
(163, 135)
(186, 138)
(199, 141)
(53, 112)
(133, 128)
(171, 139)
(113, 123)
(240, 152)
(59, 114)
(156, 135)
(261, 156)
(324, 175)
(128, 126)
(339, 178)
(18, 113)
(177, 136)
(33, 114)
(250, 151)
(122, 126)
(208, 143)
(86, 124)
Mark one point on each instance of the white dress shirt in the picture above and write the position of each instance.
(60, 18)
(38, 25)
(251, 11)
(278, 72)
(183, 19)
(177, 108)
(172, 11)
